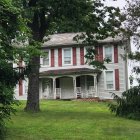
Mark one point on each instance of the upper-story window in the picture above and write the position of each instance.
(88, 52)
(46, 58)
(109, 80)
(67, 56)
(108, 53)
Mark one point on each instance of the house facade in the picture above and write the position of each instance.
(64, 73)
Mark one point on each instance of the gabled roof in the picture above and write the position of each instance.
(67, 39)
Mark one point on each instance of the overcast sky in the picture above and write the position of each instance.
(117, 3)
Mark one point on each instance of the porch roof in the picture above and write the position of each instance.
(74, 71)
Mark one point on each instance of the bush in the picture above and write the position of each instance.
(128, 105)
(6, 107)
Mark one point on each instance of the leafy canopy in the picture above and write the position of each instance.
(92, 18)
(132, 30)
(44, 17)
(10, 23)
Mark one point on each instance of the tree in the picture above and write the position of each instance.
(10, 23)
(91, 17)
(128, 105)
(132, 30)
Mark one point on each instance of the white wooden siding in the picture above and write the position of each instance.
(101, 90)
(121, 66)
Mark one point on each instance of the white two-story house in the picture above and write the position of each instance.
(64, 73)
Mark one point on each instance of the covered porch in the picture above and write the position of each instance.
(69, 84)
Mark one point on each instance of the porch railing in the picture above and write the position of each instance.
(87, 93)
(90, 92)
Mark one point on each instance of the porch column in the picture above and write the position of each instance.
(95, 82)
(74, 85)
(54, 86)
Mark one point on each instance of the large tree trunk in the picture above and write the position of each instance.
(38, 27)
(33, 86)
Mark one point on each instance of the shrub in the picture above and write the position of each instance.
(128, 105)
(6, 107)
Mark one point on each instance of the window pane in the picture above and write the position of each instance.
(67, 56)
(90, 81)
(46, 59)
(67, 52)
(109, 79)
(109, 86)
(67, 60)
(109, 76)
(108, 53)
(89, 56)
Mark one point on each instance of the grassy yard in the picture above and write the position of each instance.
(71, 120)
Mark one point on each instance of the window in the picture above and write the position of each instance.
(109, 80)
(89, 54)
(46, 59)
(67, 56)
(90, 81)
(108, 53)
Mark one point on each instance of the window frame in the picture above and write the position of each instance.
(105, 84)
(49, 59)
(63, 62)
(112, 52)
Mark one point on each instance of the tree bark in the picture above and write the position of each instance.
(37, 35)
(33, 86)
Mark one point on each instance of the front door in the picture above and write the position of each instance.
(67, 90)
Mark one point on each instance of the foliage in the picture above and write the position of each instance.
(44, 17)
(128, 105)
(131, 30)
(6, 106)
(91, 59)
(10, 23)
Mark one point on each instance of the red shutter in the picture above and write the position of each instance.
(52, 57)
(117, 82)
(20, 87)
(82, 55)
(59, 57)
(115, 54)
(96, 55)
(74, 55)
(101, 53)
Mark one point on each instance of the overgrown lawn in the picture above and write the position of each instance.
(71, 120)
